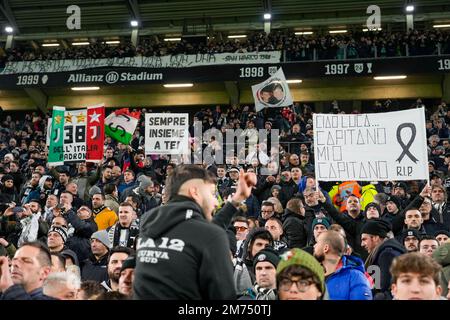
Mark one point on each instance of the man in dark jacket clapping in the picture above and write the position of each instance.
(84, 226)
(294, 224)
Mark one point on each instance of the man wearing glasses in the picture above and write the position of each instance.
(429, 222)
(267, 211)
(241, 225)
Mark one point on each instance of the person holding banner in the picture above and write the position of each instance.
(352, 220)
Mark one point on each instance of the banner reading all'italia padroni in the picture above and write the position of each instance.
(371, 147)
(77, 135)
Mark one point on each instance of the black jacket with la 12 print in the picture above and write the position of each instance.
(182, 256)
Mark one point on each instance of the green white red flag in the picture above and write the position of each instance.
(121, 124)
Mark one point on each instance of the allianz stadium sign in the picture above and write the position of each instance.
(114, 77)
(329, 69)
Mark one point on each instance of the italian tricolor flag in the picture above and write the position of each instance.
(120, 125)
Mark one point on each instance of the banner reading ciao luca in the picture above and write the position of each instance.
(371, 147)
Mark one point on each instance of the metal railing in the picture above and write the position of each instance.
(376, 52)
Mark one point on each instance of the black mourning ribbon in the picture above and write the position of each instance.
(406, 147)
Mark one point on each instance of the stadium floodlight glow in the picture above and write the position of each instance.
(303, 33)
(267, 16)
(375, 29)
(400, 77)
(85, 88)
(437, 26)
(172, 39)
(113, 42)
(237, 36)
(178, 85)
(134, 23)
(9, 29)
(83, 43)
(410, 8)
(50, 45)
(338, 31)
(294, 81)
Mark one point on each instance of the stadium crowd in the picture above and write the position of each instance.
(297, 47)
(149, 227)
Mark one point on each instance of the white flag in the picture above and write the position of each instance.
(371, 147)
(272, 93)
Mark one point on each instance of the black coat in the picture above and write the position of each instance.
(351, 226)
(288, 189)
(93, 269)
(432, 226)
(79, 242)
(8, 195)
(262, 191)
(444, 216)
(383, 258)
(295, 229)
(17, 292)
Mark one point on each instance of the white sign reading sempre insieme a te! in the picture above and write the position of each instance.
(166, 133)
(371, 147)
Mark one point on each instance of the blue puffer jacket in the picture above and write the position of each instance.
(349, 282)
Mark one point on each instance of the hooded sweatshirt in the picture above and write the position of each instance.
(180, 255)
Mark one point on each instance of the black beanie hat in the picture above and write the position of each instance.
(267, 254)
(129, 263)
(376, 227)
(395, 200)
(7, 177)
(375, 205)
(410, 233)
(442, 232)
(61, 231)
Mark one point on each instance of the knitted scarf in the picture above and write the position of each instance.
(98, 210)
(370, 258)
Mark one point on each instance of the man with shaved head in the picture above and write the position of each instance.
(345, 278)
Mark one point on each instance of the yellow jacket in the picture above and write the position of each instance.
(365, 196)
(105, 219)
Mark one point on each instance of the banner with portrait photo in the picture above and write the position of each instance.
(272, 93)
(371, 147)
